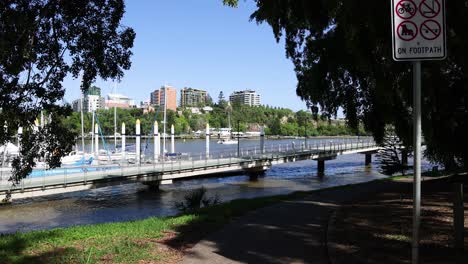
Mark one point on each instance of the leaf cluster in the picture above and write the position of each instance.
(342, 54)
(43, 41)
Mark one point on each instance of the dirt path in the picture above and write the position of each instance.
(288, 232)
(379, 230)
(369, 223)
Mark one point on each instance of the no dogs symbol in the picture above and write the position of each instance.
(407, 30)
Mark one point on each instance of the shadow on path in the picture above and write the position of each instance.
(288, 232)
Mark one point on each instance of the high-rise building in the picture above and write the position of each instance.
(192, 97)
(93, 90)
(92, 103)
(76, 105)
(246, 97)
(92, 100)
(158, 97)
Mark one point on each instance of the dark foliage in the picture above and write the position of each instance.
(41, 42)
(389, 155)
(343, 58)
(197, 199)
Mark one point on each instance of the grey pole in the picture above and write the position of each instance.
(82, 125)
(262, 139)
(417, 159)
(238, 141)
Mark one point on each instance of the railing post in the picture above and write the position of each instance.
(85, 174)
(65, 178)
(43, 179)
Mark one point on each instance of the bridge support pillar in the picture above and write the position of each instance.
(154, 185)
(321, 167)
(368, 159)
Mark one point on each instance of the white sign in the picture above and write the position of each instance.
(418, 30)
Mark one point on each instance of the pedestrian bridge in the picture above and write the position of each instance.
(250, 161)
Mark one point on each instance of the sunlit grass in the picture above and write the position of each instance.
(132, 241)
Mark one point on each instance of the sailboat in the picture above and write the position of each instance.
(226, 136)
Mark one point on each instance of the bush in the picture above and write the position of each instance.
(197, 199)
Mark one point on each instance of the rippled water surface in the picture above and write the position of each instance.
(135, 201)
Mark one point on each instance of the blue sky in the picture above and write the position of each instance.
(205, 45)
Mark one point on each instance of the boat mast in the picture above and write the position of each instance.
(165, 107)
(115, 118)
(82, 124)
(92, 134)
(229, 110)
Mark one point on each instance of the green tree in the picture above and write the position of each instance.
(342, 59)
(41, 42)
(389, 156)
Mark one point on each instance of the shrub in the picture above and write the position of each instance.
(197, 199)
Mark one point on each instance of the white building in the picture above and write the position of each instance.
(92, 103)
(119, 100)
(246, 97)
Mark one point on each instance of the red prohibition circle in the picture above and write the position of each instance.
(434, 8)
(403, 28)
(401, 9)
(427, 29)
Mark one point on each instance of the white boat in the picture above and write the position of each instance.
(226, 134)
(76, 158)
(9, 149)
(115, 156)
(227, 141)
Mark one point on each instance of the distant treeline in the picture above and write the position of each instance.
(277, 121)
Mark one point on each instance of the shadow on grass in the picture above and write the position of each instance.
(14, 249)
(296, 230)
(281, 233)
(380, 230)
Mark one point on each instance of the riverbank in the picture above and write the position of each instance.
(165, 240)
(160, 239)
(155, 239)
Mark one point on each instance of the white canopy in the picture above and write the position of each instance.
(9, 149)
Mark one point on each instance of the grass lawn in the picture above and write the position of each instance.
(126, 242)
(152, 240)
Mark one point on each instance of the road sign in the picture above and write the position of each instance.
(418, 30)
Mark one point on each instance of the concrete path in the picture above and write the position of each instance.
(288, 232)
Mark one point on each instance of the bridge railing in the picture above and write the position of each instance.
(87, 174)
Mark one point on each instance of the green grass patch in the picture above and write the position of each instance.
(132, 241)
(123, 242)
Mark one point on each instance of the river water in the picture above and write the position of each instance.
(135, 201)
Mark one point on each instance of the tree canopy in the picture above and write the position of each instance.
(342, 55)
(41, 42)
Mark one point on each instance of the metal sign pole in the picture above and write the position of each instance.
(417, 159)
